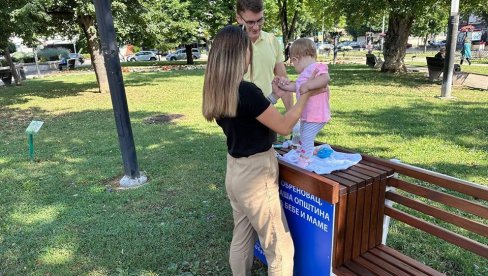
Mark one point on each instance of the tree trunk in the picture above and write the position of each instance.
(12, 67)
(189, 54)
(399, 26)
(286, 28)
(87, 24)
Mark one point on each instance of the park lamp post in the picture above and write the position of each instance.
(450, 49)
(132, 177)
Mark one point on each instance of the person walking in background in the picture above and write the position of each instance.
(287, 51)
(313, 75)
(268, 60)
(466, 50)
(483, 41)
(247, 119)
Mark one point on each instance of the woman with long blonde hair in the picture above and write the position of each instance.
(248, 120)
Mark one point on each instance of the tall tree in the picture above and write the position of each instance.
(68, 17)
(289, 12)
(431, 24)
(8, 28)
(401, 16)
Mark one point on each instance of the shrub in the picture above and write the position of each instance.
(51, 54)
(23, 57)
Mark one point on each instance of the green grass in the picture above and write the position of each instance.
(61, 215)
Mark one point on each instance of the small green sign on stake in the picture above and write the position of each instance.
(32, 130)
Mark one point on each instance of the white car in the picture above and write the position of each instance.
(181, 54)
(142, 56)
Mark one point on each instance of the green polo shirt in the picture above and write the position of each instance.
(266, 54)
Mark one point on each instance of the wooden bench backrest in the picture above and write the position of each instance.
(463, 203)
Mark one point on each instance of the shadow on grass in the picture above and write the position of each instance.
(61, 217)
(49, 87)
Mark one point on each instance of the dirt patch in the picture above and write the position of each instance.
(162, 119)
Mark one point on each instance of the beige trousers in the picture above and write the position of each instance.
(252, 187)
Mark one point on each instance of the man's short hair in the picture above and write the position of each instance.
(249, 5)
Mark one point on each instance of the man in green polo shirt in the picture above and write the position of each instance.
(268, 60)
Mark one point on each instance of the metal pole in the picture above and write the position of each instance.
(117, 89)
(37, 62)
(450, 50)
(31, 147)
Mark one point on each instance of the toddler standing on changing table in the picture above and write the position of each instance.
(313, 75)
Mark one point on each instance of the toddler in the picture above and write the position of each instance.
(313, 75)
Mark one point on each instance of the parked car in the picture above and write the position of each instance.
(356, 45)
(78, 57)
(438, 44)
(324, 46)
(181, 54)
(343, 44)
(142, 56)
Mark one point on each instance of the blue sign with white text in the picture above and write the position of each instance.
(311, 223)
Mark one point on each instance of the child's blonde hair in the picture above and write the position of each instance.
(303, 47)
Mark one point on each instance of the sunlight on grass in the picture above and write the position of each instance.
(183, 219)
(56, 256)
(153, 146)
(43, 215)
(98, 272)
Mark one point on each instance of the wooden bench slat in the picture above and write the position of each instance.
(359, 175)
(358, 223)
(343, 271)
(349, 177)
(350, 218)
(360, 270)
(399, 263)
(447, 199)
(366, 172)
(366, 217)
(340, 231)
(372, 267)
(376, 201)
(370, 168)
(451, 237)
(389, 170)
(439, 213)
(381, 210)
(442, 180)
(384, 264)
(406, 259)
(343, 181)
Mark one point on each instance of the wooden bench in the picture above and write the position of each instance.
(359, 227)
